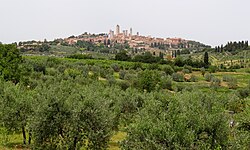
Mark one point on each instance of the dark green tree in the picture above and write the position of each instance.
(206, 59)
(122, 56)
(10, 59)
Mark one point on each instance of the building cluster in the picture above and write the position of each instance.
(135, 41)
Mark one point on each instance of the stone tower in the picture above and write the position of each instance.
(131, 32)
(117, 29)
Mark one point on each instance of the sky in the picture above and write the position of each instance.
(212, 22)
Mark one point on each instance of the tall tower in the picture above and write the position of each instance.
(131, 32)
(111, 34)
(126, 32)
(117, 29)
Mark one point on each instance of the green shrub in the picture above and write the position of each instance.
(115, 67)
(189, 68)
(182, 121)
(166, 83)
(51, 71)
(72, 73)
(193, 78)
(124, 85)
(80, 56)
(203, 71)
(168, 69)
(122, 74)
(208, 77)
(178, 77)
(137, 65)
(111, 80)
(215, 82)
(231, 81)
(212, 69)
(85, 71)
(185, 71)
(243, 93)
(232, 84)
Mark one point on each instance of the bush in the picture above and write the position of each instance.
(122, 74)
(40, 67)
(208, 77)
(72, 73)
(193, 78)
(178, 77)
(166, 83)
(189, 68)
(212, 69)
(243, 93)
(148, 80)
(85, 71)
(136, 65)
(153, 66)
(111, 80)
(215, 82)
(182, 121)
(80, 56)
(51, 71)
(168, 69)
(185, 71)
(123, 84)
(180, 87)
(231, 81)
(115, 67)
(104, 73)
(203, 71)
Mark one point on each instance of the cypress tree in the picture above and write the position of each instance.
(246, 44)
(222, 48)
(206, 59)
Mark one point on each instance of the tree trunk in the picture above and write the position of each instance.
(30, 135)
(24, 135)
(75, 142)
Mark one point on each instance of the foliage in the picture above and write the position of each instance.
(208, 77)
(180, 123)
(168, 69)
(178, 77)
(231, 81)
(166, 83)
(64, 103)
(148, 80)
(206, 59)
(203, 71)
(115, 67)
(189, 68)
(212, 69)
(147, 58)
(122, 56)
(193, 78)
(122, 74)
(80, 56)
(215, 82)
(10, 59)
(71, 118)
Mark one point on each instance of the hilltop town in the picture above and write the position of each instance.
(114, 41)
(137, 41)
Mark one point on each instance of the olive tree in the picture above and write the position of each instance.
(182, 121)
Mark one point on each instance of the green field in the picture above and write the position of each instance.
(107, 104)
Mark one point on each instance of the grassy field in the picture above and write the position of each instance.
(14, 141)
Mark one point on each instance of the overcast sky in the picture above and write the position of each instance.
(211, 22)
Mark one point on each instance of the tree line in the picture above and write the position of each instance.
(232, 46)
